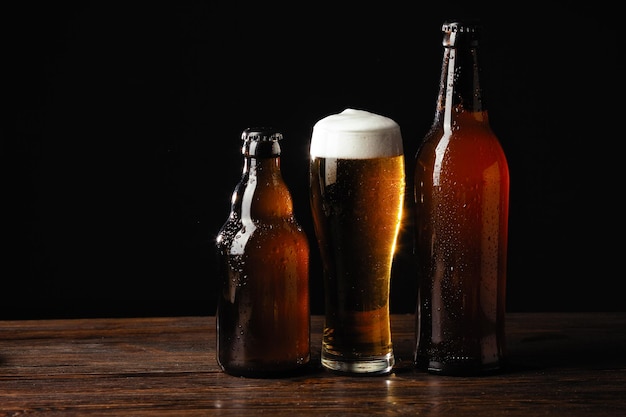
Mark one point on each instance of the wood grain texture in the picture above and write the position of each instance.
(558, 364)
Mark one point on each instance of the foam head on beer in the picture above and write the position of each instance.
(356, 134)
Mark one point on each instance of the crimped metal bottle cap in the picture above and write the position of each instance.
(454, 31)
(261, 134)
(261, 142)
(458, 26)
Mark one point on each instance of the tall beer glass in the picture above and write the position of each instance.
(357, 186)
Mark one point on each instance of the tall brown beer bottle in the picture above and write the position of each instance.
(263, 317)
(462, 206)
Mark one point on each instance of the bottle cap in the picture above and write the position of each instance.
(261, 134)
(469, 26)
(454, 30)
(261, 142)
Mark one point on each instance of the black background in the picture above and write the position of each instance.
(121, 139)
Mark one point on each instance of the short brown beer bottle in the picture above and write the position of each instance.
(263, 317)
(461, 215)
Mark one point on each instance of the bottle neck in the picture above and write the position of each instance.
(261, 158)
(266, 167)
(460, 92)
(262, 193)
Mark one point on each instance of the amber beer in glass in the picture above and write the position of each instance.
(357, 187)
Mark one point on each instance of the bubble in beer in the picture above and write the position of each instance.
(356, 134)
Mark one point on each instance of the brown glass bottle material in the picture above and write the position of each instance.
(263, 315)
(462, 206)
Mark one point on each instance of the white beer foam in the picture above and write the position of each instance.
(356, 134)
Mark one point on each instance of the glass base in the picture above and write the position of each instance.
(365, 366)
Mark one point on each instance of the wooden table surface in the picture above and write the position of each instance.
(560, 364)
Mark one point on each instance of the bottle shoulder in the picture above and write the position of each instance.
(467, 150)
(468, 138)
(260, 240)
(262, 199)
(261, 207)
(237, 228)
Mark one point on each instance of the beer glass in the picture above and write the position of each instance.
(357, 186)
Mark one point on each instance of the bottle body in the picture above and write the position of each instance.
(263, 316)
(461, 215)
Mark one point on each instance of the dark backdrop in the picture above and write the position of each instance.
(120, 146)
